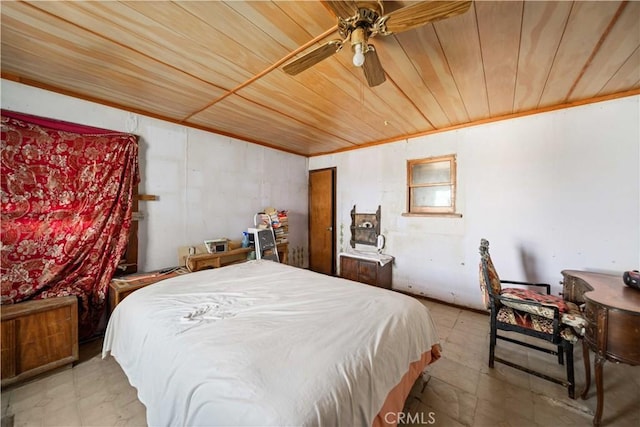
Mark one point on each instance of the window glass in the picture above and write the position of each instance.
(432, 196)
(431, 173)
(431, 186)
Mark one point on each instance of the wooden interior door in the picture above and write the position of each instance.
(322, 221)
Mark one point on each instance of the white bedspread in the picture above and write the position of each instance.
(262, 343)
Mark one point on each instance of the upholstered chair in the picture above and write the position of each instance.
(532, 313)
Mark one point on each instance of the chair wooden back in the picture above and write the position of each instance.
(489, 279)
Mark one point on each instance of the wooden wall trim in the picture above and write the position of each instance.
(29, 82)
(34, 83)
(571, 104)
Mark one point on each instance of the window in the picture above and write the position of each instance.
(431, 185)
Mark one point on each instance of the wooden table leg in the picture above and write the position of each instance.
(600, 391)
(587, 369)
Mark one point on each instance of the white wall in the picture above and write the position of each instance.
(551, 191)
(209, 185)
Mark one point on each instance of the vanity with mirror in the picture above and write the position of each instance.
(368, 266)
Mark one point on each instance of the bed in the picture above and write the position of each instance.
(262, 343)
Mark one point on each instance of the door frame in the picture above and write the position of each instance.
(334, 210)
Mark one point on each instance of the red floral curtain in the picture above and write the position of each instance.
(66, 211)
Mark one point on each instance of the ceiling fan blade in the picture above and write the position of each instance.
(343, 8)
(312, 58)
(421, 13)
(373, 71)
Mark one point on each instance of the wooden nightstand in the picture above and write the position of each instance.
(121, 286)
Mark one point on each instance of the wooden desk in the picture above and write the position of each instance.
(613, 332)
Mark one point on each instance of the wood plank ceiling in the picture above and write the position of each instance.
(218, 65)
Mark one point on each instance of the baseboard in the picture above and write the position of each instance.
(461, 307)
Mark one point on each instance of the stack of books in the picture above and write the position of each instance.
(282, 231)
(279, 221)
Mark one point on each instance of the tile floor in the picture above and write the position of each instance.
(458, 390)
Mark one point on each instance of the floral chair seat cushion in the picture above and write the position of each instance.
(550, 301)
(570, 314)
(533, 321)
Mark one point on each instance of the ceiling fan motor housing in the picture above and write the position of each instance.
(365, 18)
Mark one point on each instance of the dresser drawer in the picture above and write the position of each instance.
(590, 313)
(365, 271)
(590, 333)
(573, 289)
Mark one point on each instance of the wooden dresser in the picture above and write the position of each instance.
(38, 336)
(612, 310)
(367, 271)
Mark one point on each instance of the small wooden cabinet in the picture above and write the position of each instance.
(38, 336)
(120, 287)
(366, 271)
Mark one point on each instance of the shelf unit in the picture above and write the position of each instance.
(220, 259)
(365, 227)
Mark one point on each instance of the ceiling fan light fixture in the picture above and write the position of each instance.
(358, 40)
(358, 55)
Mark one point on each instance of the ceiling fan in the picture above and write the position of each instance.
(358, 21)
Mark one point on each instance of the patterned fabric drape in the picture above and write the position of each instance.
(66, 212)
